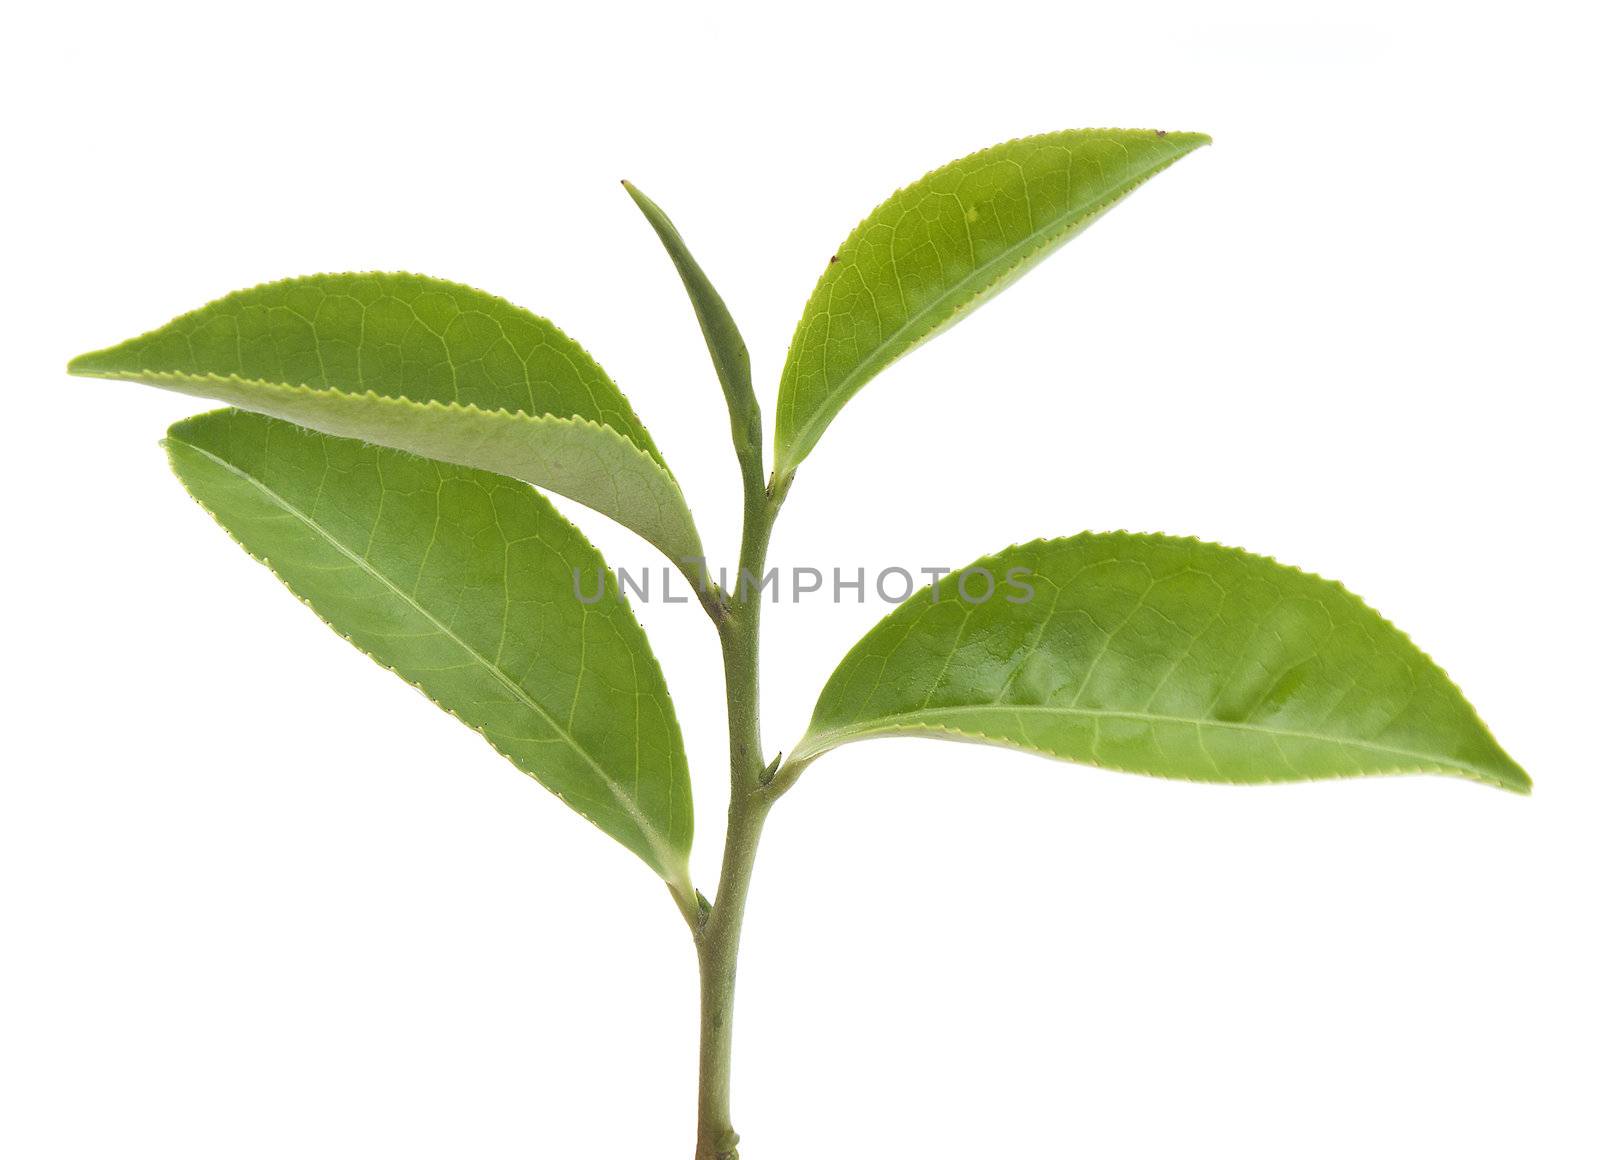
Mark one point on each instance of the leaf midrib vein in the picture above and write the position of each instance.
(926, 717)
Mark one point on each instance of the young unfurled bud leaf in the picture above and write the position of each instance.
(728, 353)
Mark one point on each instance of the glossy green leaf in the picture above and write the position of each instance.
(729, 355)
(941, 246)
(425, 366)
(1159, 656)
(462, 582)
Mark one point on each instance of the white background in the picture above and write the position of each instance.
(258, 899)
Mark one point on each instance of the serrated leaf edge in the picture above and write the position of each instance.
(809, 751)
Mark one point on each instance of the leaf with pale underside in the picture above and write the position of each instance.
(462, 582)
(426, 366)
(942, 245)
(1160, 656)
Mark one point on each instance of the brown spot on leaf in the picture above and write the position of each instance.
(833, 259)
(1161, 132)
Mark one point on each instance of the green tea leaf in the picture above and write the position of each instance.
(729, 355)
(426, 366)
(940, 247)
(1159, 656)
(463, 583)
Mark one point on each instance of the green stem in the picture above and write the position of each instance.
(719, 956)
(717, 940)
